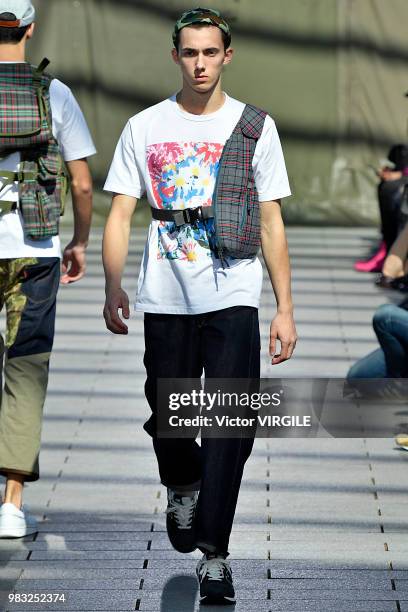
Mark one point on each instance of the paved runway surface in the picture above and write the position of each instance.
(321, 524)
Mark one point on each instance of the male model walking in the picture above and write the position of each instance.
(41, 127)
(200, 309)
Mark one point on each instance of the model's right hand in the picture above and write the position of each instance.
(116, 300)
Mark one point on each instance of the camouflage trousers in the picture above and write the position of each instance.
(28, 290)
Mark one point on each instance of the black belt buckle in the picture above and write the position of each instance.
(179, 218)
(187, 215)
(193, 214)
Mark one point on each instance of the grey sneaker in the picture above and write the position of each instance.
(181, 510)
(15, 523)
(215, 579)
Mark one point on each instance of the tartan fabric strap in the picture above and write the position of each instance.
(235, 200)
(45, 62)
(38, 73)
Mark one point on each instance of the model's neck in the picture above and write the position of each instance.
(198, 103)
(12, 53)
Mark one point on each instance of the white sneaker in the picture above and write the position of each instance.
(15, 523)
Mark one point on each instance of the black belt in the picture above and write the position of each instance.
(183, 216)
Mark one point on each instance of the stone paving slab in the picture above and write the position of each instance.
(311, 528)
(109, 564)
(295, 606)
(370, 560)
(257, 567)
(89, 545)
(319, 605)
(399, 560)
(7, 555)
(68, 555)
(351, 596)
(110, 526)
(251, 586)
(57, 574)
(401, 586)
(360, 600)
(283, 585)
(100, 536)
(353, 575)
(87, 600)
(9, 573)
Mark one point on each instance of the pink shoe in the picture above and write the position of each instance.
(375, 263)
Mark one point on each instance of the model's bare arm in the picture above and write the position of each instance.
(276, 256)
(395, 263)
(73, 260)
(114, 253)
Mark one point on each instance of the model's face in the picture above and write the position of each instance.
(201, 56)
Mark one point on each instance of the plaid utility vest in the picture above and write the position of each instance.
(26, 128)
(235, 201)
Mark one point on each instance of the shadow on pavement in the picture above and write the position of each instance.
(179, 593)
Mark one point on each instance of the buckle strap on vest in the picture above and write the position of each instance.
(8, 177)
(7, 207)
(183, 216)
(20, 176)
(38, 86)
(38, 72)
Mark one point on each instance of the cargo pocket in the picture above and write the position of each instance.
(250, 224)
(48, 209)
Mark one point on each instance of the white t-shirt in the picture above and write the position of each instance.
(174, 157)
(71, 131)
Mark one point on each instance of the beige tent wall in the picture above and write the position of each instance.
(331, 73)
(372, 78)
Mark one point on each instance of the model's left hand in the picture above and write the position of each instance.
(387, 174)
(73, 263)
(282, 329)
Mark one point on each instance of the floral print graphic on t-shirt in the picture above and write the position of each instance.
(183, 176)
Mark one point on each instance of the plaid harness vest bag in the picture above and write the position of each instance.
(235, 201)
(26, 128)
